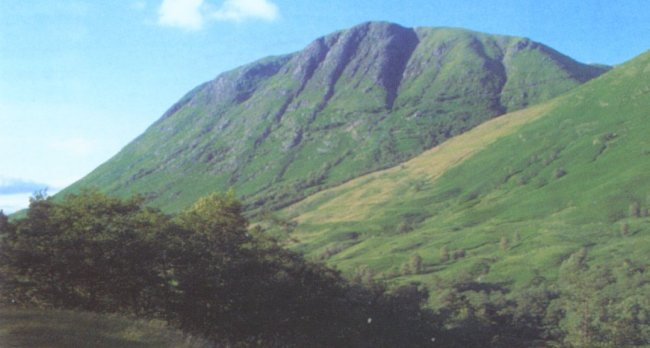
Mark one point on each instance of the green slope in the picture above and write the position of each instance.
(517, 195)
(350, 103)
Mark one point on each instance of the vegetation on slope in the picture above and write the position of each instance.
(350, 103)
(203, 273)
(200, 271)
(567, 173)
(510, 203)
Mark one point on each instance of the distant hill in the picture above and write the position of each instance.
(350, 103)
(506, 201)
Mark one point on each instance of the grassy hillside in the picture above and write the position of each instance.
(507, 200)
(350, 103)
(22, 328)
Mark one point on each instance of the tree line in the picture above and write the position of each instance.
(209, 273)
(203, 271)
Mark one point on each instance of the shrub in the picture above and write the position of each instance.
(459, 254)
(404, 227)
(559, 172)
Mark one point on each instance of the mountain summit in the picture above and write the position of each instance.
(350, 103)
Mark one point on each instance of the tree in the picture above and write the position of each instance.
(217, 218)
(208, 251)
(87, 251)
(4, 222)
(603, 307)
(201, 271)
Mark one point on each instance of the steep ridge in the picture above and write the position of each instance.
(514, 197)
(350, 103)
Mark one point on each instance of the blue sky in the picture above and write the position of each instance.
(79, 79)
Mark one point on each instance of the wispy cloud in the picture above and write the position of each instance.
(185, 14)
(240, 10)
(12, 186)
(193, 14)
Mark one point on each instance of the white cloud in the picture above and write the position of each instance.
(240, 10)
(11, 186)
(184, 14)
(193, 14)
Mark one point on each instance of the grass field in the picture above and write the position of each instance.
(35, 328)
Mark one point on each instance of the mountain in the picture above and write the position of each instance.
(350, 103)
(507, 201)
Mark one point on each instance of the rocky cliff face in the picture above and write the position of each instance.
(351, 102)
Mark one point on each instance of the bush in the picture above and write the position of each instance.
(459, 254)
(559, 172)
(404, 227)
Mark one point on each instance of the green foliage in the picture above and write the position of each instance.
(201, 271)
(70, 254)
(604, 306)
(217, 221)
(589, 307)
